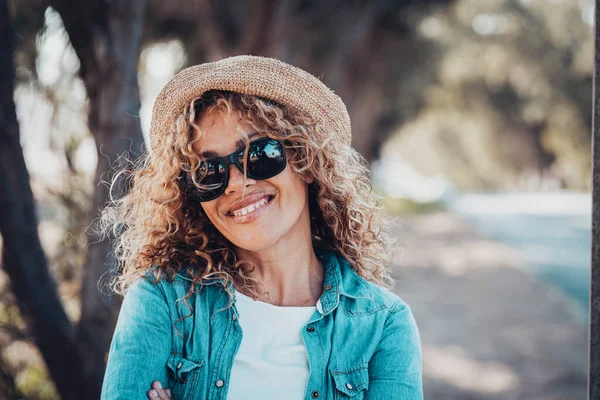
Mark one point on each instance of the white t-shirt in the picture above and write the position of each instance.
(272, 362)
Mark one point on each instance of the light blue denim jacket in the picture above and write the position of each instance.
(362, 341)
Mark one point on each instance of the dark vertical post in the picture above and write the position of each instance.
(594, 375)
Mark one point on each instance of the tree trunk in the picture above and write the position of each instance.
(107, 39)
(22, 255)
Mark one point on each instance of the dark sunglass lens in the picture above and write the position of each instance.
(211, 177)
(215, 173)
(266, 158)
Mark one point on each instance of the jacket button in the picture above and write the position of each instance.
(220, 383)
(310, 329)
(234, 317)
(349, 386)
(315, 394)
(328, 287)
(179, 365)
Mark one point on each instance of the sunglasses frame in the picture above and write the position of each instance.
(226, 161)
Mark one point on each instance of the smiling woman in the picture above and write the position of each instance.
(254, 255)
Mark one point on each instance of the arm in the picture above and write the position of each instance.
(395, 370)
(140, 345)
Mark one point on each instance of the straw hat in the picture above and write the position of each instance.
(259, 76)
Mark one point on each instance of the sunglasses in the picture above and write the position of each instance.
(266, 158)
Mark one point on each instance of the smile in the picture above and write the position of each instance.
(251, 211)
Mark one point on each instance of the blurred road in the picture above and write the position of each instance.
(551, 231)
(490, 328)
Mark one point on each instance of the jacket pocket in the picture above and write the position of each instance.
(183, 376)
(351, 382)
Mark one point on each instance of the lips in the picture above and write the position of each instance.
(249, 204)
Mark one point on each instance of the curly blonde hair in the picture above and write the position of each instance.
(157, 225)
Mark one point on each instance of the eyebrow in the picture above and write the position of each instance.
(240, 143)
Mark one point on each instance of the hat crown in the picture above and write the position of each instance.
(252, 75)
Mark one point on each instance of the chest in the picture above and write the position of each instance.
(208, 337)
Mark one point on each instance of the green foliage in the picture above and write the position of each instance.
(11, 316)
(402, 206)
(510, 106)
(35, 383)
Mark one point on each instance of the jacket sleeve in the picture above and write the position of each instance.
(395, 370)
(141, 344)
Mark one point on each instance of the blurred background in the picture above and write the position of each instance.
(474, 115)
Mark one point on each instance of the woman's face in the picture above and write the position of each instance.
(277, 208)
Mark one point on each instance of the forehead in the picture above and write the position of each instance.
(221, 133)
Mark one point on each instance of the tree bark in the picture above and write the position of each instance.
(22, 255)
(107, 43)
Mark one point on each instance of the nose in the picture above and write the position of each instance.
(236, 180)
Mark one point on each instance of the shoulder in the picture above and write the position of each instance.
(154, 285)
(143, 293)
(393, 303)
(399, 322)
(357, 286)
(175, 290)
(390, 317)
(385, 296)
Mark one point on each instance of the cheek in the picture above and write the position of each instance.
(210, 210)
(294, 197)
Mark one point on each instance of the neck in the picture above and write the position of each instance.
(290, 271)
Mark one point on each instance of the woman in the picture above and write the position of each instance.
(254, 254)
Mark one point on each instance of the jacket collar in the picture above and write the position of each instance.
(340, 280)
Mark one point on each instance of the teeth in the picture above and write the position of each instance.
(249, 208)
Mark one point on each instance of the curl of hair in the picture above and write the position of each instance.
(156, 224)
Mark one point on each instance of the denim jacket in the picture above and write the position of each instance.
(362, 341)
